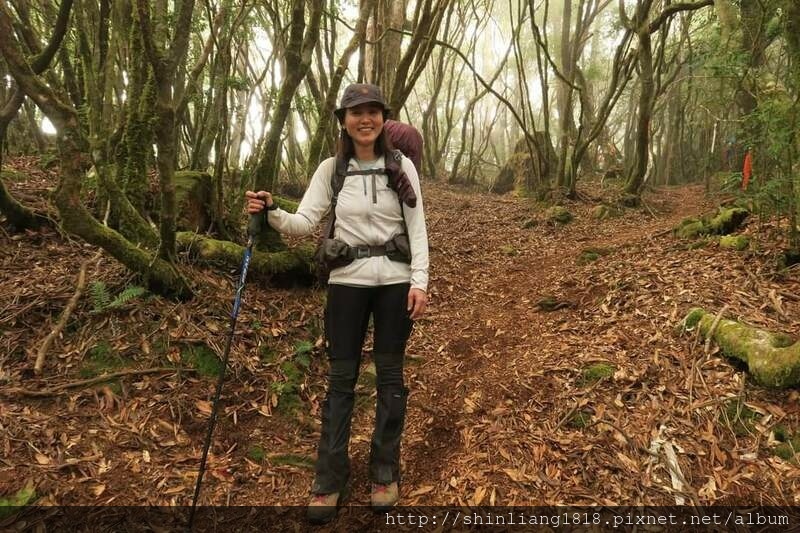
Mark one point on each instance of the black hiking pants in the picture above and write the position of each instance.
(346, 318)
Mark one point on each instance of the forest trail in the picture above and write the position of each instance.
(512, 418)
(502, 410)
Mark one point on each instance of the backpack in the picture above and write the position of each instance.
(332, 253)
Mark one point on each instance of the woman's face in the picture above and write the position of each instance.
(364, 123)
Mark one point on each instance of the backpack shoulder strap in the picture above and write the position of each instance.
(337, 182)
(337, 178)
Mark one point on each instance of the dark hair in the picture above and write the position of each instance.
(346, 148)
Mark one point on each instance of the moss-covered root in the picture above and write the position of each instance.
(296, 260)
(726, 221)
(772, 358)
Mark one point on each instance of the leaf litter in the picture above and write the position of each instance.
(500, 412)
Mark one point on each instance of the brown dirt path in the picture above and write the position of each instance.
(500, 398)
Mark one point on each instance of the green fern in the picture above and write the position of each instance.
(100, 296)
(128, 294)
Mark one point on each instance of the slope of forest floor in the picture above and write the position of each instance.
(509, 405)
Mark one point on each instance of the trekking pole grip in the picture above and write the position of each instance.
(254, 225)
(256, 222)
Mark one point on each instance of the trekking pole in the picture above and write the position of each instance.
(253, 229)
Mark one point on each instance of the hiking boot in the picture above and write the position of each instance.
(384, 496)
(322, 507)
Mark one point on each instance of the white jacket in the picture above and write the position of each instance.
(367, 214)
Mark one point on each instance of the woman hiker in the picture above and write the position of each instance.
(378, 205)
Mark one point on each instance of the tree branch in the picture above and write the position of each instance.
(671, 10)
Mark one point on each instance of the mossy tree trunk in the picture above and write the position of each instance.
(792, 33)
(444, 80)
(644, 25)
(220, 129)
(636, 173)
(564, 95)
(97, 50)
(17, 214)
(165, 65)
(772, 359)
(755, 38)
(299, 49)
(293, 264)
(135, 149)
(428, 19)
(161, 276)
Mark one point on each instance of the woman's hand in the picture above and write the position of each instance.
(417, 302)
(256, 201)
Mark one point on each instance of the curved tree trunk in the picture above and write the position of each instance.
(159, 275)
(17, 214)
(635, 178)
(298, 59)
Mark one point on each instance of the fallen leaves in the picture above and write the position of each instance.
(421, 490)
(492, 381)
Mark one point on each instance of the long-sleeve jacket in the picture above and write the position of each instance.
(367, 214)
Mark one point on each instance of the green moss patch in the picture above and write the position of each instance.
(101, 359)
(739, 418)
(267, 354)
(727, 220)
(580, 419)
(23, 497)
(256, 453)
(302, 353)
(590, 255)
(724, 222)
(770, 360)
(595, 373)
(789, 443)
(289, 401)
(734, 242)
(786, 450)
(789, 258)
(509, 250)
(699, 243)
(690, 228)
(530, 223)
(693, 318)
(602, 212)
(559, 214)
(551, 303)
(203, 359)
(291, 459)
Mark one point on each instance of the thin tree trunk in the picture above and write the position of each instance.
(298, 59)
(318, 141)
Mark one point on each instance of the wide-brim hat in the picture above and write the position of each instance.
(361, 93)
